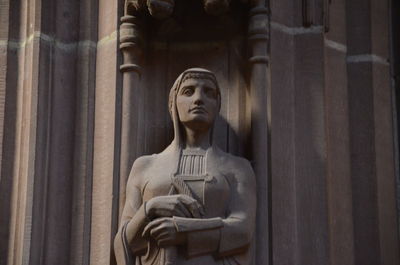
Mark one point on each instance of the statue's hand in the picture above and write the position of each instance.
(173, 205)
(163, 231)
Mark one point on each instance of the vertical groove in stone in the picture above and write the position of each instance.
(310, 150)
(237, 98)
(284, 210)
(341, 241)
(12, 169)
(4, 32)
(372, 168)
(105, 179)
(7, 56)
(298, 152)
(42, 159)
(395, 72)
(384, 144)
(25, 132)
(84, 120)
(259, 89)
(57, 86)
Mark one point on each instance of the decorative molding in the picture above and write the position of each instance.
(163, 9)
(130, 43)
(297, 30)
(365, 58)
(37, 35)
(335, 45)
(258, 21)
(259, 59)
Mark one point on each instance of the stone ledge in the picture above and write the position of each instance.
(363, 58)
(67, 46)
(297, 30)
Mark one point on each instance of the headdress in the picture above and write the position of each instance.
(187, 74)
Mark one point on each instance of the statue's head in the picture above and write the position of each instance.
(195, 99)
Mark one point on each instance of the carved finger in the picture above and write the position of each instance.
(174, 210)
(171, 210)
(155, 232)
(182, 210)
(186, 199)
(162, 235)
(195, 208)
(201, 208)
(193, 205)
(150, 226)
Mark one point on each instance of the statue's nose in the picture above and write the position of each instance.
(198, 101)
(198, 97)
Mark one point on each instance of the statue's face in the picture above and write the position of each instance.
(197, 103)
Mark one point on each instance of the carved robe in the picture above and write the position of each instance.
(222, 183)
(229, 196)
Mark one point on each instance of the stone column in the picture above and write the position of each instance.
(298, 135)
(341, 232)
(371, 133)
(104, 215)
(258, 38)
(333, 179)
(131, 42)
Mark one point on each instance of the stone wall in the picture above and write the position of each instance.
(330, 189)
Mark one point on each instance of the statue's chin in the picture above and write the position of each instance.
(198, 124)
(161, 9)
(216, 7)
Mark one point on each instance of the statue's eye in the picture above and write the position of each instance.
(188, 91)
(210, 92)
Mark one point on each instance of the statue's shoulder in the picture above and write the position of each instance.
(235, 163)
(143, 162)
(236, 169)
(139, 169)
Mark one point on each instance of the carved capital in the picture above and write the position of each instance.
(259, 34)
(130, 43)
(258, 23)
(263, 59)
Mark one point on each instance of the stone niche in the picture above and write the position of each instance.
(230, 41)
(156, 50)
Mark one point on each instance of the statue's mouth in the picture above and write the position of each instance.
(198, 110)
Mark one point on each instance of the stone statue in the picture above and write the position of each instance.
(191, 204)
(164, 8)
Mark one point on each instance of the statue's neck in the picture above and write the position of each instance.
(195, 139)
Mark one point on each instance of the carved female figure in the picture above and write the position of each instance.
(191, 204)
